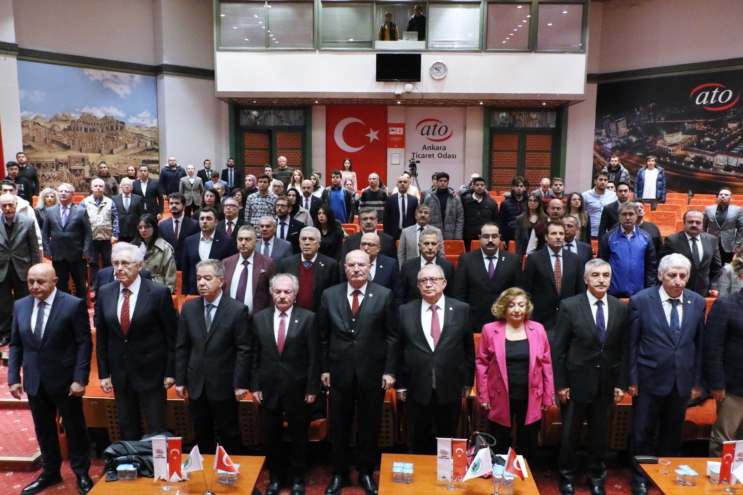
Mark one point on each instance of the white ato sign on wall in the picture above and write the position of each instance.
(435, 137)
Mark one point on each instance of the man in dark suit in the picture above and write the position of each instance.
(19, 251)
(309, 201)
(51, 340)
(723, 367)
(429, 248)
(249, 286)
(233, 176)
(206, 245)
(591, 368)
(176, 229)
(550, 276)
(479, 285)
(572, 226)
(129, 207)
(287, 229)
(439, 361)
(368, 224)
(315, 271)
(285, 380)
(136, 327)
(610, 213)
(383, 270)
(231, 222)
(206, 173)
(359, 330)
(700, 248)
(108, 275)
(399, 209)
(666, 326)
(212, 360)
(270, 245)
(66, 238)
(153, 202)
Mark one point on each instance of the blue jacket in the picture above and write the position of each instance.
(658, 359)
(660, 186)
(634, 265)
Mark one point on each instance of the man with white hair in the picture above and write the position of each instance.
(666, 325)
(18, 253)
(136, 356)
(104, 225)
(23, 207)
(277, 187)
(129, 207)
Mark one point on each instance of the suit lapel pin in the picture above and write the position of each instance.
(688, 302)
(503, 258)
(531, 327)
(320, 263)
(296, 321)
(371, 295)
(263, 271)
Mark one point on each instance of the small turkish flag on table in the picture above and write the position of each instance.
(358, 133)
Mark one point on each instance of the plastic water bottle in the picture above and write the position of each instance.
(397, 468)
(407, 473)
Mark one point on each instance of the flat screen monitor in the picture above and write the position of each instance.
(404, 67)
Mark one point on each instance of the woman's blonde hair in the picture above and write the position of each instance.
(505, 298)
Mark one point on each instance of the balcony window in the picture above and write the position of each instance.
(454, 26)
(347, 25)
(560, 27)
(266, 25)
(508, 26)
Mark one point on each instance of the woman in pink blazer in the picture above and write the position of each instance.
(514, 373)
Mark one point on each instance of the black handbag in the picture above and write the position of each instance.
(478, 441)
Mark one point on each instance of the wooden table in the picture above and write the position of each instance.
(250, 468)
(424, 479)
(667, 485)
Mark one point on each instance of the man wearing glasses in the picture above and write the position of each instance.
(482, 274)
(433, 384)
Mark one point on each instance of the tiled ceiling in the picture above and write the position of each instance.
(296, 102)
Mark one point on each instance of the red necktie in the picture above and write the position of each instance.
(176, 230)
(282, 332)
(355, 306)
(125, 311)
(229, 228)
(435, 326)
(558, 273)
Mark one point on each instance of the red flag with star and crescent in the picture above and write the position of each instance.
(358, 133)
(222, 461)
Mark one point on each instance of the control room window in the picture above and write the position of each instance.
(454, 26)
(347, 25)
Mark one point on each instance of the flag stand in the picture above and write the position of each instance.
(208, 491)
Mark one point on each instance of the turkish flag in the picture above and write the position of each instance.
(358, 133)
(174, 459)
(514, 465)
(223, 462)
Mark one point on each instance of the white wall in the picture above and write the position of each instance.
(109, 29)
(638, 34)
(318, 142)
(579, 153)
(7, 26)
(10, 107)
(186, 33)
(473, 142)
(475, 74)
(193, 124)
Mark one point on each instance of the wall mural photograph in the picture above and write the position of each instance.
(691, 123)
(73, 118)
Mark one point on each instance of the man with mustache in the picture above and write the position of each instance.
(285, 380)
(591, 368)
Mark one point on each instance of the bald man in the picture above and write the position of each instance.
(51, 340)
(399, 209)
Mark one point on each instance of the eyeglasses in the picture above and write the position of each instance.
(432, 280)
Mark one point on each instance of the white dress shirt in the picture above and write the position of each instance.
(373, 269)
(277, 321)
(667, 306)
(271, 244)
(532, 245)
(553, 257)
(302, 259)
(349, 295)
(699, 245)
(427, 317)
(127, 200)
(424, 262)
(248, 301)
(205, 246)
(487, 261)
(573, 246)
(144, 186)
(592, 300)
(47, 309)
(134, 289)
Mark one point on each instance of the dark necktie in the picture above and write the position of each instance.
(355, 305)
(694, 252)
(208, 316)
(491, 267)
(600, 321)
(266, 245)
(435, 325)
(176, 231)
(307, 264)
(402, 211)
(242, 285)
(64, 216)
(125, 311)
(675, 322)
(558, 273)
(569, 247)
(307, 204)
(229, 227)
(283, 226)
(39, 327)
(126, 203)
(281, 339)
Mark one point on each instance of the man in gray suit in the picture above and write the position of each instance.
(270, 245)
(19, 251)
(66, 238)
(725, 221)
(410, 236)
